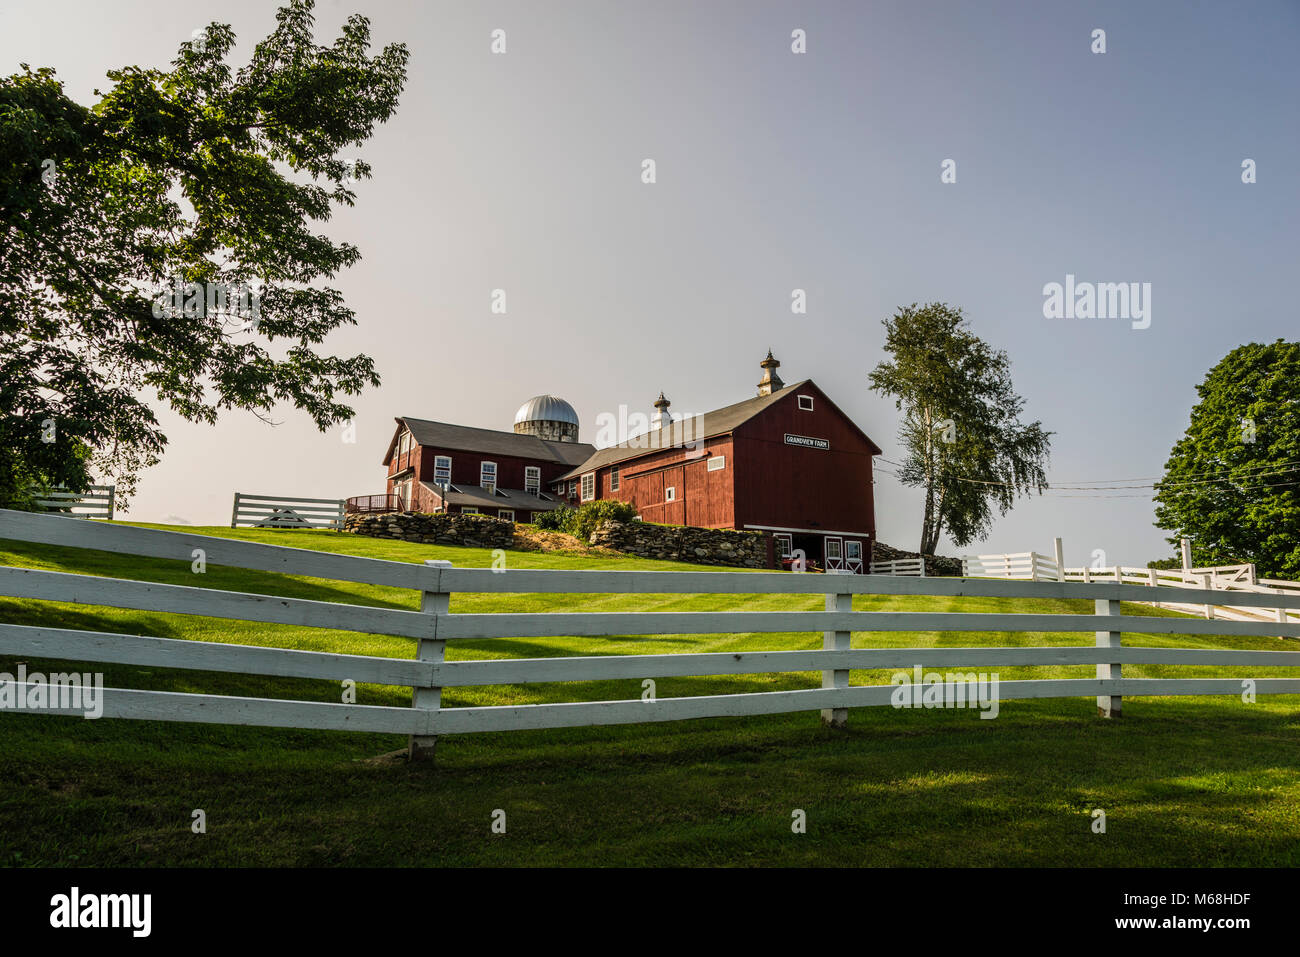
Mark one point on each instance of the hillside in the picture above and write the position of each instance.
(1186, 781)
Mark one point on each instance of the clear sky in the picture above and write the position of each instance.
(775, 171)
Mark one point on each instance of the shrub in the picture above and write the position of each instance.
(582, 521)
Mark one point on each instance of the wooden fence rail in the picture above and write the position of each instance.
(428, 671)
(275, 511)
(97, 501)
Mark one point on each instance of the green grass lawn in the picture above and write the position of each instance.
(1183, 781)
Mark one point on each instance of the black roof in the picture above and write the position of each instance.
(465, 438)
(718, 422)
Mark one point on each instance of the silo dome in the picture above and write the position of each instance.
(548, 417)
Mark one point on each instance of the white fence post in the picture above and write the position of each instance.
(234, 511)
(1059, 549)
(839, 678)
(429, 649)
(1207, 582)
(1033, 566)
(1109, 706)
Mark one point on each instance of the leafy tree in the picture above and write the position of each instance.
(964, 441)
(199, 179)
(1232, 482)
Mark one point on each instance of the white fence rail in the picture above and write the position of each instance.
(914, 567)
(273, 511)
(1223, 578)
(1029, 565)
(97, 501)
(434, 625)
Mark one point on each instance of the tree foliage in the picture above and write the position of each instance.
(963, 439)
(1232, 482)
(198, 174)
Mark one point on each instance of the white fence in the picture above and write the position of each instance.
(271, 511)
(914, 567)
(435, 625)
(1222, 578)
(1029, 565)
(96, 501)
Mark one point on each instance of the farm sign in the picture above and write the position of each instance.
(807, 441)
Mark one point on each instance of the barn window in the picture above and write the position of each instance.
(532, 479)
(468, 510)
(487, 476)
(806, 403)
(853, 550)
(717, 463)
(589, 486)
(613, 480)
(784, 544)
(507, 513)
(573, 489)
(670, 494)
(442, 470)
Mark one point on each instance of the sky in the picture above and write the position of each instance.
(775, 171)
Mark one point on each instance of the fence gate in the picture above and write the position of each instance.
(272, 511)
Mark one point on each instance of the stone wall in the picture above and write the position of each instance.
(682, 543)
(475, 531)
(936, 566)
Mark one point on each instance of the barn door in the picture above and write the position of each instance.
(834, 552)
(853, 556)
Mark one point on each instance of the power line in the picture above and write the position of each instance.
(1255, 472)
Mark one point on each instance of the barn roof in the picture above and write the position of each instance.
(683, 431)
(465, 438)
(515, 498)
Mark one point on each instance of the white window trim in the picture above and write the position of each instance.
(809, 406)
(533, 479)
(469, 510)
(437, 468)
(789, 541)
(670, 493)
(589, 495)
(722, 463)
(851, 545)
(503, 512)
(491, 486)
(613, 479)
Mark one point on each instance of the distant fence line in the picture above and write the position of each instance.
(1234, 579)
(434, 625)
(272, 511)
(97, 501)
(900, 566)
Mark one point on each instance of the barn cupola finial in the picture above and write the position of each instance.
(661, 417)
(771, 382)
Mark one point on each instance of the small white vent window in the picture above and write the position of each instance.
(806, 403)
(670, 494)
(717, 463)
(589, 486)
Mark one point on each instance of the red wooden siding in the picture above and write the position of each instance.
(790, 486)
(703, 498)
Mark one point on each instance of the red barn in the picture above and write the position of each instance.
(437, 467)
(788, 462)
